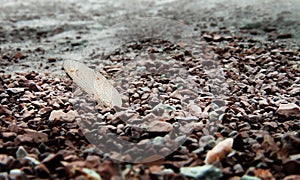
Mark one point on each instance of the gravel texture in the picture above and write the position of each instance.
(191, 74)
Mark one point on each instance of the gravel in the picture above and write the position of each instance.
(236, 77)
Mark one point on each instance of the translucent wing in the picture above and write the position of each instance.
(93, 83)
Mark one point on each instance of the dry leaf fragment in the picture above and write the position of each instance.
(93, 83)
(219, 151)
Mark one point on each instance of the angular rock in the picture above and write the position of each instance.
(263, 174)
(292, 177)
(195, 110)
(53, 161)
(9, 135)
(207, 172)
(289, 110)
(61, 115)
(21, 152)
(42, 171)
(160, 126)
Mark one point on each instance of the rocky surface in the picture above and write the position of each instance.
(190, 77)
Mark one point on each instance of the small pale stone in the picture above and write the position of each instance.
(219, 151)
(91, 174)
(21, 152)
(16, 90)
(195, 110)
(17, 174)
(160, 126)
(59, 114)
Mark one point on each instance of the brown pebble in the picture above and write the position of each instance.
(42, 171)
(289, 110)
(160, 126)
(19, 55)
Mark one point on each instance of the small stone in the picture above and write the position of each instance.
(19, 55)
(155, 169)
(28, 114)
(207, 37)
(53, 161)
(38, 137)
(292, 177)
(15, 174)
(289, 110)
(284, 36)
(195, 110)
(295, 91)
(207, 172)
(51, 60)
(15, 90)
(217, 38)
(25, 138)
(9, 135)
(263, 174)
(5, 111)
(178, 56)
(145, 96)
(93, 160)
(160, 126)
(247, 177)
(238, 169)
(42, 171)
(263, 103)
(4, 176)
(32, 160)
(291, 166)
(34, 87)
(91, 174)
(61, 115)
(21, 152)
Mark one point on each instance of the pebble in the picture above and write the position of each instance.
(21, 152)
(219, 151)
(247, 177)
(195, 110)
(207, 172)
(9, 135)
(160, 126)
(61, 115)
(295, 91)
(238, 169)
(16, 174)
(289, 110)
(15, 90)
(53, 161)
(91, 174)
(42, 171)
